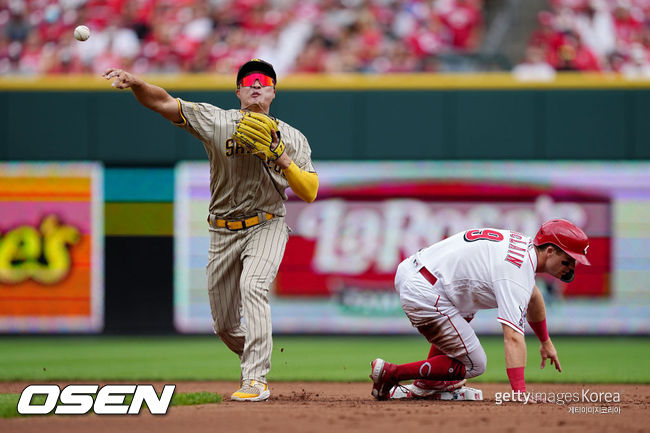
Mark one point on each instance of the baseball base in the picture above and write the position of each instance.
(462, 394)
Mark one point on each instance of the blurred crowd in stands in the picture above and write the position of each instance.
(166, 36)
(590, 35)
(376, 36)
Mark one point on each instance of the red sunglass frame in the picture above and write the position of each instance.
(249, 80)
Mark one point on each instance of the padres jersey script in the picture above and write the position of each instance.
(240, 183)
(484, 269)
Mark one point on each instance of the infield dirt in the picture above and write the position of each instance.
(348, 407)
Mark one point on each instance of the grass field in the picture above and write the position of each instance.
(305, 358)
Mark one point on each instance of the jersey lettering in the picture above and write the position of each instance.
(514, 260)
(483, 235)
(233, 148)
(515, 253)
(514, 247)
(230, 147)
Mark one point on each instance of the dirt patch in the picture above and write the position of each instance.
(348, 407)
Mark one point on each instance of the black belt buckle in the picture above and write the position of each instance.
(243, 225)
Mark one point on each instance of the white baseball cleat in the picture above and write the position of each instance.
(252, 390)
(425, 387)
(464, 393)
(399, 392)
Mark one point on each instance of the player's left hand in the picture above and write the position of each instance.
(284, 160)
(547, 351)
(260, 133)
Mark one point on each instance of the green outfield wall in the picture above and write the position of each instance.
(481, 117)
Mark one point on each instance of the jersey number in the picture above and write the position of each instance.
(483, 235)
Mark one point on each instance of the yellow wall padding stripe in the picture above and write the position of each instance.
(350, 82)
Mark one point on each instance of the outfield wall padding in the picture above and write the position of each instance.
(483, 124)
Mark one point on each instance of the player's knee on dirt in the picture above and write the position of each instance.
(475, 363)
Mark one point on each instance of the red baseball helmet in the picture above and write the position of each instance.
(565, 235)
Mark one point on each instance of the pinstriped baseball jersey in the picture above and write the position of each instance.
(241, 184)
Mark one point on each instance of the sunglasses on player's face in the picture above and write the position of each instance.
(249, 80)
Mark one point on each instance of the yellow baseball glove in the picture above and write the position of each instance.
(254, 131)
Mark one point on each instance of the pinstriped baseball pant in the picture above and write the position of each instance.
(241, 267)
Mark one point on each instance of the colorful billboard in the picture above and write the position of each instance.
(51, 247)
(338, 269)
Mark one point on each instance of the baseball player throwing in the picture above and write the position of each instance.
(253, 159)
(442, 286)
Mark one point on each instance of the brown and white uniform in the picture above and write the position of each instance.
(242, 264)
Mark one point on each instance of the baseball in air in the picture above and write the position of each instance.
(81, 33)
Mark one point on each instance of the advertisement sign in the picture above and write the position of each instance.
(339, 264)
(51, 247)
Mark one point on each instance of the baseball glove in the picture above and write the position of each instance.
(254, 131)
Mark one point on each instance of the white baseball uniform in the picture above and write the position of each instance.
(475, 270)
(243, 263)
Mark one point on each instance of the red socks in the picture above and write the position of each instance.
(439, 367)
(434, 351)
